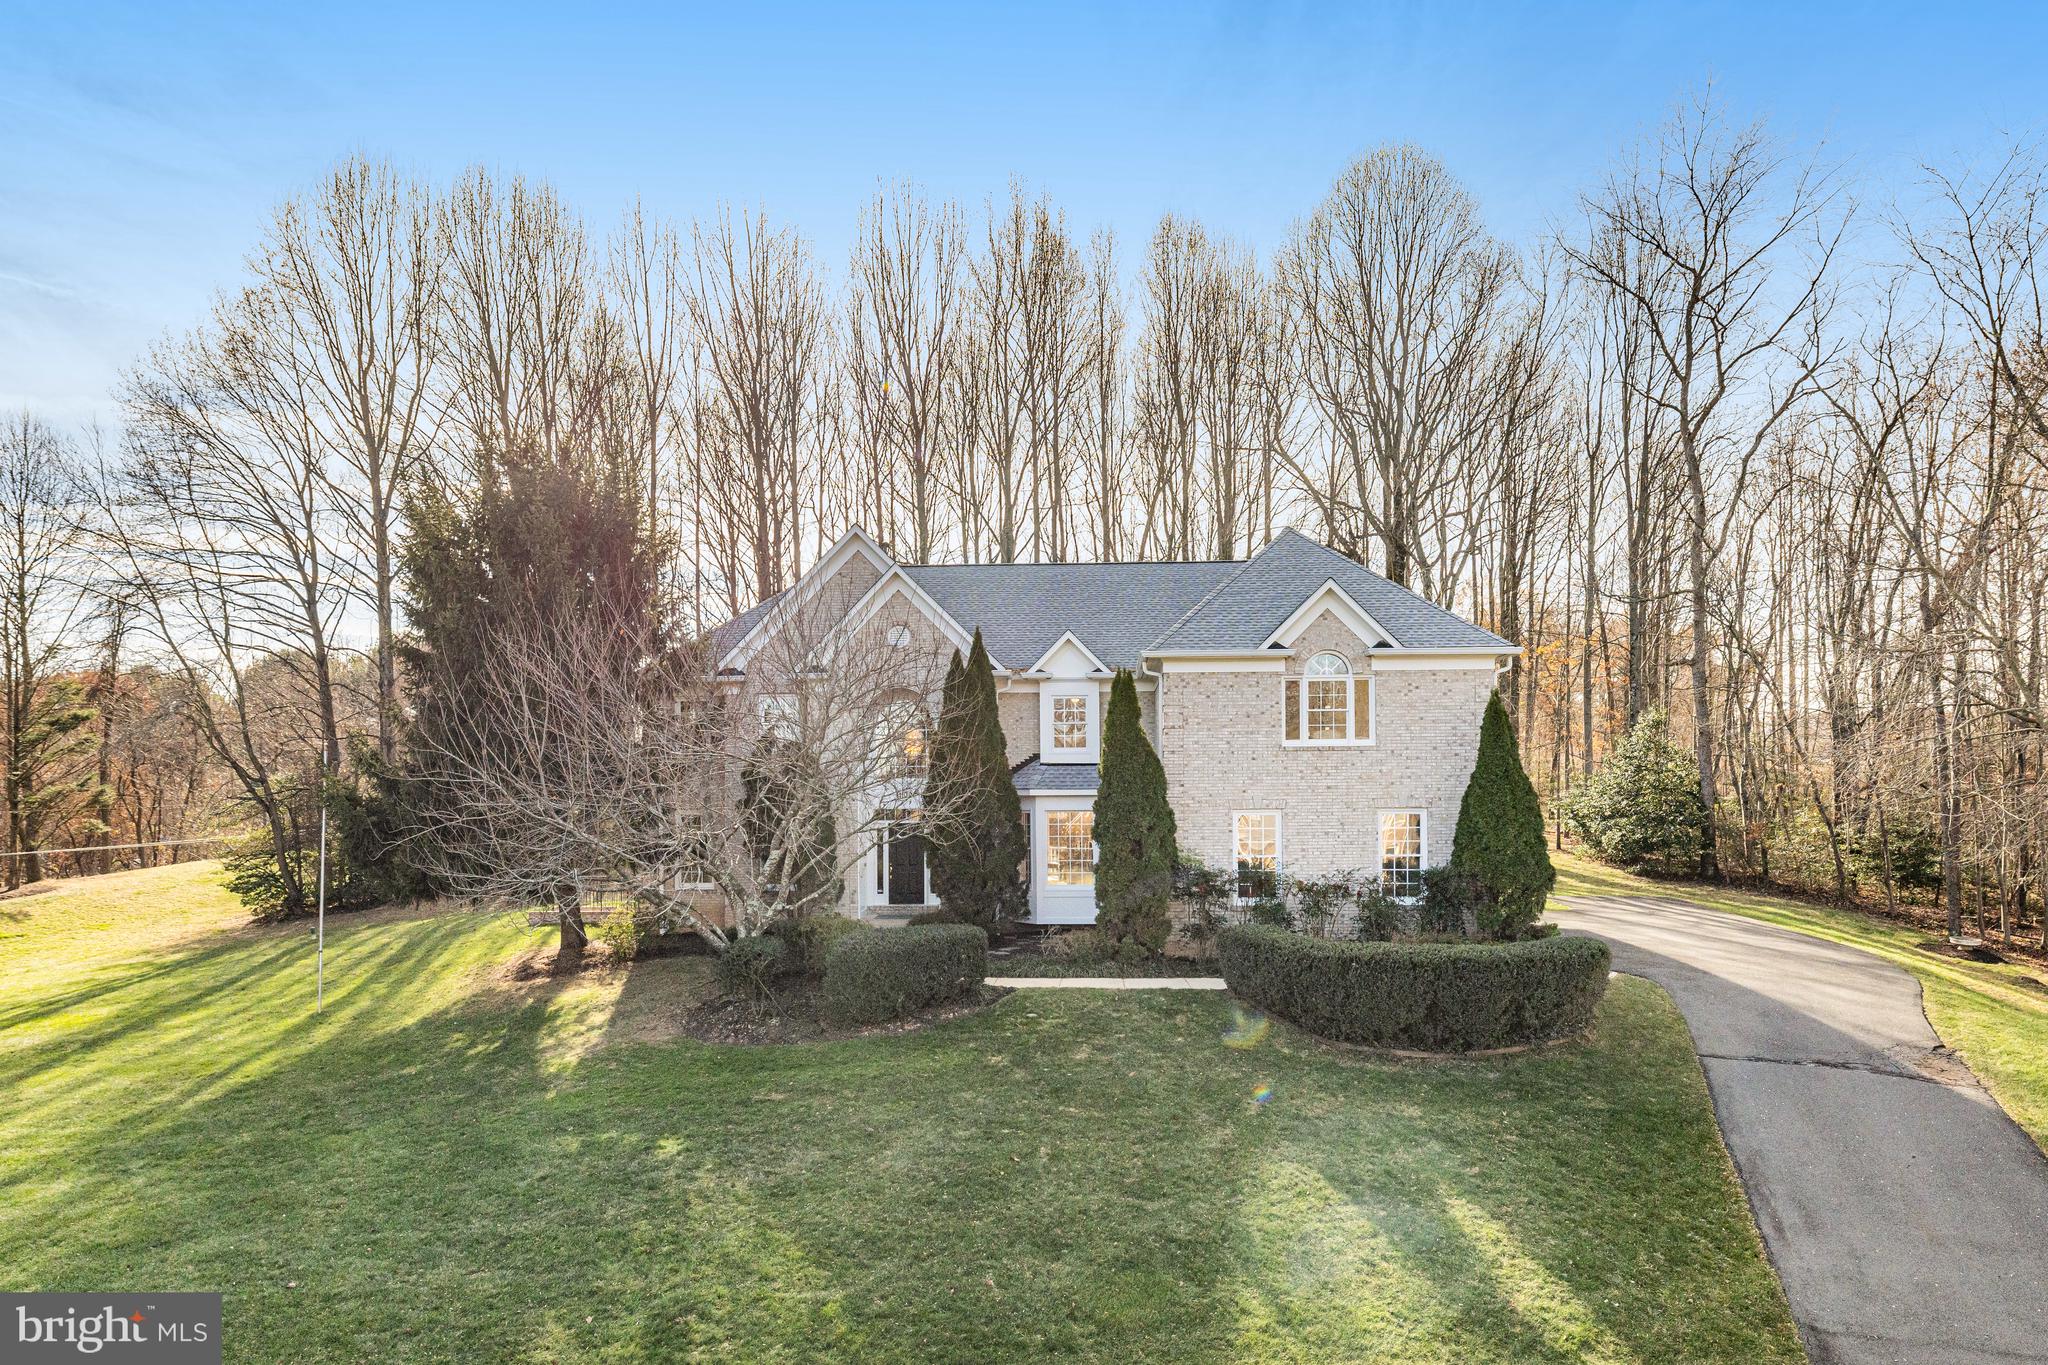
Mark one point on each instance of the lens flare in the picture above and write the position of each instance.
(1262, 1093)
(1248, 1028)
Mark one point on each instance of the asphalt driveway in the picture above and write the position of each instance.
(1906, 1214)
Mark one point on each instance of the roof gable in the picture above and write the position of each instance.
(1333, 599)
(739, 639)
(1123, 613)
(1245, 611)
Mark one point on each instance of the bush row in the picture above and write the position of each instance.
(885, 974)
(1441, 997)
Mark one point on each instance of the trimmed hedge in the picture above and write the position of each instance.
(1439, 997)
(810, 939)
(872, 978)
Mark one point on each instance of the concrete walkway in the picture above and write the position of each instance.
(1113, 983)
(1906, 1214)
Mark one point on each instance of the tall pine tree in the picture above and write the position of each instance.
(977, 844)
(1134, 827)
(1500, 843)
(541, 539)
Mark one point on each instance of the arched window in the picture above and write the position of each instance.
(1328, 704)
(902, 737)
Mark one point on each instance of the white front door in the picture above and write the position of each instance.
(1063, 860)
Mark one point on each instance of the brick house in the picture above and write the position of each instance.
(1311, 715)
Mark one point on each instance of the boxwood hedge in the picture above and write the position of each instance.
(870, 978)
(1440, 997)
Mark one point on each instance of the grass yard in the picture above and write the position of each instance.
(447, 1166)
(1994, 1014)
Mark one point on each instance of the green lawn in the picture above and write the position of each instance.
(1994, 1014)
(443, 1166)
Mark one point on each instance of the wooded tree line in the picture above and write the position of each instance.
(1725, 441)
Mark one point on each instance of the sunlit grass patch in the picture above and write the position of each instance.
(445, 1166)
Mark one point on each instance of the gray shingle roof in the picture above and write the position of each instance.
(1023, 609)
(732, 632)
(1033, 776)
(1123, 612)
(1242, 610)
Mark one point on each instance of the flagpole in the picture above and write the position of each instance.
(320, 951)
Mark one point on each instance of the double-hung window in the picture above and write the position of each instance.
(1402, 849)
(1257, 854)
(1328, 703)
(1070, 721)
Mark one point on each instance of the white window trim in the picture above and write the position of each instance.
(779, 704)
(1051, 690)
(1372, 713)
(1380, 844)
(1044, 851)
(1279, 848)
(704, 832)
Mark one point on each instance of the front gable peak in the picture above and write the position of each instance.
(1069, 658)
(1332, 598)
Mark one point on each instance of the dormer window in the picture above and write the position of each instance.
(1070, 721)
(1328, 703)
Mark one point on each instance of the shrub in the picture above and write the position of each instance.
(1910, 852)
(1321, 902)
(871, 978)
(1500, 845)
(1134, 828)
(1454, 903)
(256, 878)
(941, 915)
(1642, 809)
(372, 809)
(1081, 946)
(627, 932)
(749, 967)
(1207, 893)
(811, 938)
(1379, 915)
(1443, 997)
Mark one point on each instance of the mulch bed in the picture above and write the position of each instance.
(793, 1017)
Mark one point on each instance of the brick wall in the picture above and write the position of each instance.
(1221, 744)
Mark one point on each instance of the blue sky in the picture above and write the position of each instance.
(142, 146)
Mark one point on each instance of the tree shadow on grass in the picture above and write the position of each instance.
(1070, 1173)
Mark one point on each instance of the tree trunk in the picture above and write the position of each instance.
(1702, 712)
(1950, 812)
(569, 913)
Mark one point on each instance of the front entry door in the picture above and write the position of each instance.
(905, 861)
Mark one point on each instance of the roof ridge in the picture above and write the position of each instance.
(1085, 564)
(1221, 584)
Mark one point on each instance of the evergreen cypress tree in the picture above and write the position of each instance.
(1500, 844)
(977, 843)
(1134, 827)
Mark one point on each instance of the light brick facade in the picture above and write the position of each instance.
(1218, 722)
(1221, 741)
